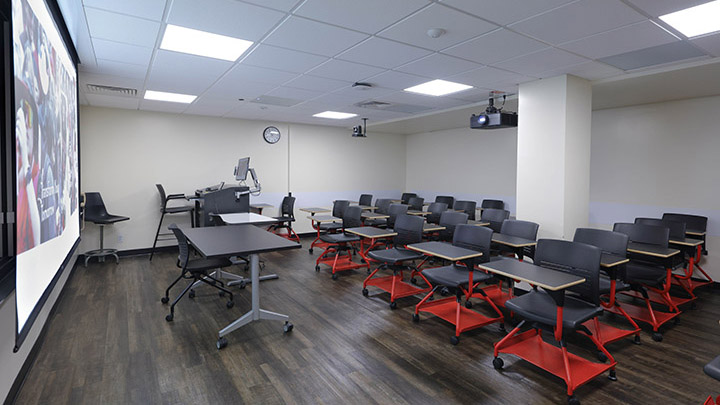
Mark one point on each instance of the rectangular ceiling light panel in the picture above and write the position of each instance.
(438, 88)
(171, 97)
(201, 43)
(334, 115)
(694, 21)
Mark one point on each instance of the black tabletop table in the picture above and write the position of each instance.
(548, 279)
(444, 250)
(651, 250)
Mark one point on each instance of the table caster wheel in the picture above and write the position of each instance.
(468, 304)
(454, 340)
(169, 317)
(221, 343)
(612, 376)
(191, 295)
(573, 401)
(657, 336)
(393, 305)
(317, 268)
(416, 318)
(334, 276)
(288, 327)
(230, 304)
(636, 340)
(498, 363)
(601, 357)
(164, 300)
(310, 250)
(365, 292)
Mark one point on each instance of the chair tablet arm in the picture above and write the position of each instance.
(175, 197)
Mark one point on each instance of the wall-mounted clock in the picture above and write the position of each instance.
(271, 135)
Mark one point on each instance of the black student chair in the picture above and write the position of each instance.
(338, 211)
(457, 278)
(696, 226)
(365, 199)
(287, 217)
(449, 200)
(416, 203)
(395, 211)
(467, 207)
(450, 219)
(495, 217)
(195, 270)
(339, 250)
(383, 206)
(96, 213)
(164, 209)
(521, 229)
(405, 198)
(497, 204)
(435, 211)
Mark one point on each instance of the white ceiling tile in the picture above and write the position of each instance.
(438, 66)
(283, 59)
(317, 83)
(109, 50)
(383, 53)
(341, 100)
(162, 106)
(342, 70)
(229, 87)
(396, 80)
(578, 20)
(367, 15)
(357, 95)
(458, 26)
(216, 107)
(405, 97)
(657, 8)
(474, 95)
(101, 100)
(122, 28)
(294, 93)
(74, 16)
(224, 17)
(589, 70)
(506, 11)
(314, 37)
(118, 69)
(259, 75)
(626, 39)
(495, 46)
(182, 73)
(148, 9)
(710, 43)
(489, 77)
(536, 62)
(282, 5)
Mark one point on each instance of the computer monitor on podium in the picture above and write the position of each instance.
(242, 168)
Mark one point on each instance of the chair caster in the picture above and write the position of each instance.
(368, 271)
(636, 340)
(317, 268)
(365, 292)
(502, 327)
(221, 343)
(612, 376)
(164, 300)
(191, 295)
(413, 281)
(362, 261)
(468, 304)
(393, 305)
(230, 304)
(288, 327)
(169, 317)
(444, 291)
(334, 276)
(657, 336)
(498, 363)
(601, 357)
(310, 250)
(454, 340)
(416, 318)
(573, 401)
(242, 285)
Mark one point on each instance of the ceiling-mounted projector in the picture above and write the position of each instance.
(494, 118)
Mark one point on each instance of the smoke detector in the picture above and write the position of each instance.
(435, 32)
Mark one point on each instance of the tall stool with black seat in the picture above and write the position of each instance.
(495, 217)
(461, 279)
(365, 199)
(435, 211)
(467, 207)
(416, 203)
(195, 270)
(696, 227)
(643, 273)
(405, 198)
(164, 209)
(287, 217)
(562, 312)
(614, 256)
(96, 213)
(398, 258)
(339, 250)
(497, 204)
(447, 199)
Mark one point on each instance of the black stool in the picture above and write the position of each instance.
(96, 213)
(164, 209)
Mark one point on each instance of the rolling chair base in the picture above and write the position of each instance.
(100, 254)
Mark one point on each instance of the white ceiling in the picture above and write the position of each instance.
(312, 51)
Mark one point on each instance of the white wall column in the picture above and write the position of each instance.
(553, 154)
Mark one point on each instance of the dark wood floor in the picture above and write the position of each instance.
(109, 343)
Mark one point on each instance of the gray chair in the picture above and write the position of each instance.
(467, 207)
(435, 211)
(340, 244)
(395, 211)
(495, 217)
(383, 206)
(405, 197)
(449, 200)
(96, 213)
(365, 199)
(164, 209)
(416, 203)
(520, 229)
(338, 211)
(497, 204)
(451, 219)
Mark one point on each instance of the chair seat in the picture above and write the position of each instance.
(200, 265)
(339, 238)
(713, 368)
(394, 255)
(105, 219)
(285, 219)
(330, 226)
(644, 273)
(538, 306)
(175, 210)
(605, 285)
(454, 276)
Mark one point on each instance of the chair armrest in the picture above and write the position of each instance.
(175, 197)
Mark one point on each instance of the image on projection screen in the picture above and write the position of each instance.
(46, 152)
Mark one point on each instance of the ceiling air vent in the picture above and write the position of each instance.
(377, 105)
(111, 90)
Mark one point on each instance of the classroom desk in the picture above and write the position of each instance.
(478, 223)
(515, 244)
(367, 207)
(432, 228)
(693, 249)
(260, 206)
(551, 280)
(371, 233)
(419, 213)
(316, 222)
(396, 201)
(241, 240)
(373, 215)
(314, 210)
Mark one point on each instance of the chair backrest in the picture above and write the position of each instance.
(467, 207)
(382, 204)
(495, 217)
(416, 203)
(611, 242)
(394, 212)
(497, 204)
(692, 222)
(339, 207)
(405, 197)
(677, 228)
(163, 196)
(409, 230)
(183, 250)
(287, 208)
(520, 229)
(450, 220)
(649, 234)
(449, 200)
(474, 238)
(94, 207)
(580, 259)
(352, 217)
(435, 210)
(365, 199)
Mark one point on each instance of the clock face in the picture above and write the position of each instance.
(271, 135)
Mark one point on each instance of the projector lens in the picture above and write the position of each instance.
(482, 119)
